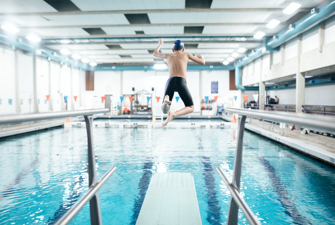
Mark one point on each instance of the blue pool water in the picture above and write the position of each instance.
(215, 120)
(44, 174)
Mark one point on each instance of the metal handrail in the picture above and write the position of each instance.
(236, 201)
(69, 215)
(252, 219)
(308, 121)
(20, 118)
(94, 185)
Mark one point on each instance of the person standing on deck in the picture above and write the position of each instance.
(177, 63)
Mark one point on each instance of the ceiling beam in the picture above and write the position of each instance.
(110, 54)
(247, 35)
(188, 10)
(143, 25)
(155, 42)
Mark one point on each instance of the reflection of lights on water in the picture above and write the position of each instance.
(161, 168)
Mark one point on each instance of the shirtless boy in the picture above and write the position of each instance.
(177, 63)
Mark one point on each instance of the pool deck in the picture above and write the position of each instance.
(18, 129)
(315, 145)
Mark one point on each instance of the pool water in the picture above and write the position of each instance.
(183, 120)
(43, 174)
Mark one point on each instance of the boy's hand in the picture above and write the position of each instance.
(199, 56)
(160, 41)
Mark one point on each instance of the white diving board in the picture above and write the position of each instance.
(171, 199)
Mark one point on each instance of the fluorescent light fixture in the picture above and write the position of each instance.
(263, 49)
(76, 56)
(225, 62)
(230, 59)
(235, 55)
(65, 51)
(259, 35)
(65, 41)
(269, 83)
(33, 38)
(308, 76)
(243, 39)
(291, 8)
(10, 28)
(160, 66)
(241, 50)
(272, 24)
(93, 64)
(85, 60)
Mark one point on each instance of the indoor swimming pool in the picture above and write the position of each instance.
(43, 174)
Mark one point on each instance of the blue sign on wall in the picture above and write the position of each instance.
(215, 87)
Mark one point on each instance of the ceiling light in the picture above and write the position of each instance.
(65, 41)
(85, 60)
(230, 59)
(235, 55)
(225, 62)
(65, 51)
(272, 24)
(93, 64)
(33, 38)
(241, 50)
(259, 35)
(308, 76)
(160, 66)
(10, 28)
(269, 83)
(291, 8)
(76, 56)
(243, 39)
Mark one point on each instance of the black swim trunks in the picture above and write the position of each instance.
(178, 84)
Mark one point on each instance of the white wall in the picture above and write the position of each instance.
(315, 95)
(7, 81)
(26, 86)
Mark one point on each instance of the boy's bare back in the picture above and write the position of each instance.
(177, 61)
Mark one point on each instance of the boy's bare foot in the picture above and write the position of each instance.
(167, 100)
(170, 117)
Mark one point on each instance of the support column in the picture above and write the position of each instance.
(261, 95)
(17, 91)
(300, 81)
(200, 89)
(282, 52)
(321, 36)
(71, 92)
(35, 103)
(50, 85)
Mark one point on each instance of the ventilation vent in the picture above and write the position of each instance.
(125, 56)
(139, 32)
(202, 4)
(114, 47)
(94, 31)
(138, 18)
(193, 30)
(62, 5)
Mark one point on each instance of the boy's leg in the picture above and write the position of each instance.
(185, 95)
(168, 96)
(166, 104)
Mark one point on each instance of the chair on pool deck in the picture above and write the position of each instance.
(171, 199)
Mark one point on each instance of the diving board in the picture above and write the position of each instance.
(171, 199)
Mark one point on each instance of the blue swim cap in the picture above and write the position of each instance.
(178, 44)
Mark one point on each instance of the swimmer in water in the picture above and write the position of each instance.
(177, 63)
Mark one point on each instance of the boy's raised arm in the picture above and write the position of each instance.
(157, 53)
(199, 59)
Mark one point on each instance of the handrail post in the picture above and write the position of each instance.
(95, 211)
(233, 207)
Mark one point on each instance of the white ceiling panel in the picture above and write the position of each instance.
(64, 32)
(218, 45)
(209, 17)
(119, 30)
(229, 29)
(78, 47)
(101, 57)
(139, 46)
(121, 52)
(147, 30)
(246, 4)
(87, 5)
(124, 60)
(203, 51)
(16, 6)
(87, 19)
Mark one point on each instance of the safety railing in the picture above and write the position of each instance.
(92, 195)
(307, 121)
